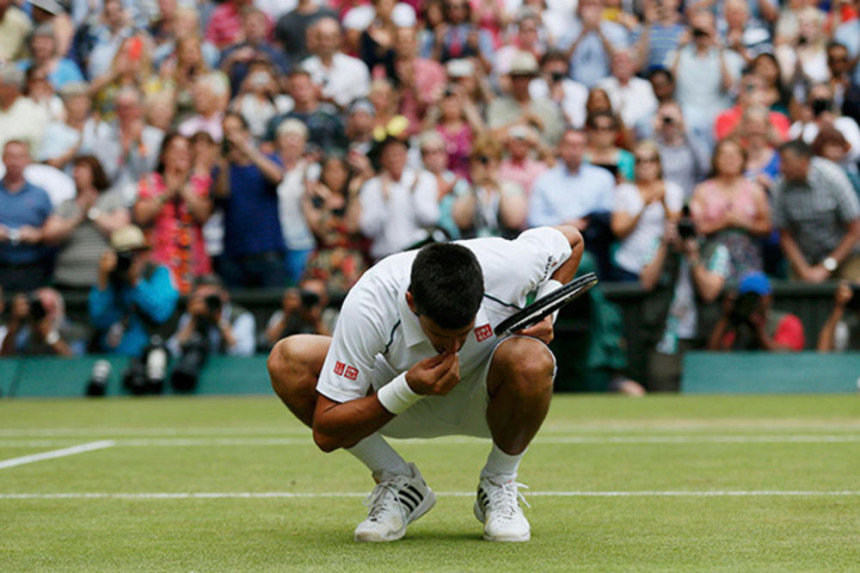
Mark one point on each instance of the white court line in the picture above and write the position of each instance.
(549, 440)
(321, 495)
(79, 449)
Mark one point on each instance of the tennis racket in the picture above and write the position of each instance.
(544, 306)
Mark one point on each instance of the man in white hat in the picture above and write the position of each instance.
(518, 108)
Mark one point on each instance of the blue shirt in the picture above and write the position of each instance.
(661, 41)
(559, 196)
(67, 71)
(251, 222)
(154, 296)
(590, 62)
(29, 206)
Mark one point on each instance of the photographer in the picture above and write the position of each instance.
(132, 296)
(37, 326)
(683, 281)
(750, 323)
(303, 311)
(841, 332)
(225, 327)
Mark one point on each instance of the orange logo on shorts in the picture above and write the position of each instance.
(483, 332)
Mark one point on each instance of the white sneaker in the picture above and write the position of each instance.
(395, 502)
(498, 508)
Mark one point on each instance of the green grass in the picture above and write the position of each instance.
(801, 444)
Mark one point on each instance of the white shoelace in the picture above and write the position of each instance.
(384, 494)
(503, 499)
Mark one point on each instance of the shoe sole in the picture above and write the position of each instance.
(479, 514)
(426, 505)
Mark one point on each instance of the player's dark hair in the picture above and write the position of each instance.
(447, 285)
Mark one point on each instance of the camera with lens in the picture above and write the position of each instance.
(213, 304)
(820, 106)
(146, 374)
(309, 299)
(744, 307)
(119, 275)
(186, 373)
(686, 226)
(37, 308)
(556, 77)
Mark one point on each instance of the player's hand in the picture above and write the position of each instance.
(435, 376)
(543, 330)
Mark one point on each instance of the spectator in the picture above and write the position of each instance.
(41, 92)
(660, 34)
(132, 296)
(519, 108)
(705, 73)
(225, 27)
(776, 95)
(576, 193)
(684, 159)
(254, 46)
(172, 205)
(598, 102)
(731, 210)
(491, 206)
(211, 95)
(180, 72)
(818, 215)
(186, 25)
(526, 158)
(749, 321)
(340, 78)
(83, 225)
(131, 68)
(632, 97)
(325, 128)
(399, 204)
(803, 58)
(759, 137)
(259, 100)
(752, 94)
(663, 85)
(25, 213)
(525, 37)
(107, 37)
(474, 81)
(459, 37)
(601, 150)
(43, 48)
(641, 211)
(127, 148)
(459, 123)
(841, 332)
(745, 36)
(254, 252)
(213, 321)
(419, 80)
(590, 43)
(298, 174)
(363, 16)
(304, 310)
(830, 144)
(38, 327)
(359, 127)
(331, 208)
(21, 119)
(846, 94)
(53, 13)
(848, 34)
(291, 29)
(14, 29)
(683, 281)
(63, 139)
(821, 112)
(434, 158)
(555, 84)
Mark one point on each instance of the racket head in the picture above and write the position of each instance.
(546, 305)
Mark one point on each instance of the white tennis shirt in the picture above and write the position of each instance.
(376, 329)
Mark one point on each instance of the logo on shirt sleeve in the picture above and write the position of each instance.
(339, 368)
(483, 332)
(351, 373)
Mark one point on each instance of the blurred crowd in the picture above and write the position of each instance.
(160, 149)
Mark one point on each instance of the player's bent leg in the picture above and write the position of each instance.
(294, 366)
(519, 384)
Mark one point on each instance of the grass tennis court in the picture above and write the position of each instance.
(234, 484)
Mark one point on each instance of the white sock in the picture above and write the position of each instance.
(501, 464)
(374, 452)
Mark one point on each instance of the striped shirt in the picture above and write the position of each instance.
(816, 212)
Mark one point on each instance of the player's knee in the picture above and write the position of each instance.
(527, 366)
(284, 366)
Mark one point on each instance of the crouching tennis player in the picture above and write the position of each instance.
(414, 356)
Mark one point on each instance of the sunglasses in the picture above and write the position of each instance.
(644, 160)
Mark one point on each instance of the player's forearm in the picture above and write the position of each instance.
(342, 425)
(565, 273)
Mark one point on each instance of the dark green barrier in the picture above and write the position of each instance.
(770, 373)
